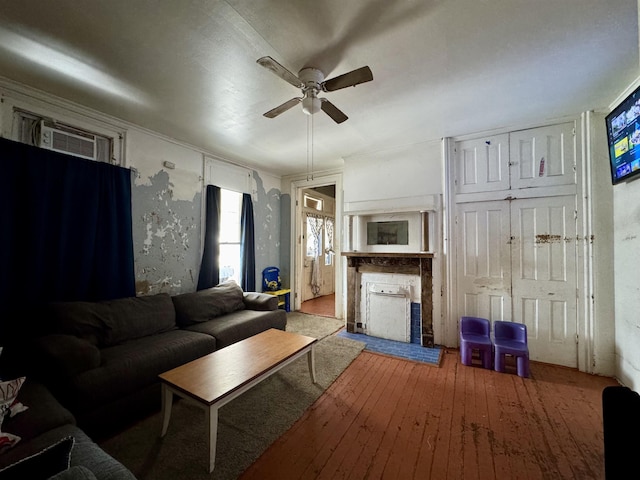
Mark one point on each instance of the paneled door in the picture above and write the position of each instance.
(516, 261)
(542, 157)
(482, 165)
(544, 277)
(484, 259)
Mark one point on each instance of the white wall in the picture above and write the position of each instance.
(626, 267)
(403, 179)
(400, 177)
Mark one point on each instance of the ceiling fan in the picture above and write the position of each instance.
(311, 81)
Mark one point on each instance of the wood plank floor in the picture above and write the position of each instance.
(324, 306)
(396, 419)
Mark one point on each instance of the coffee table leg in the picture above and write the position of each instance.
(167, 401)
(311, 360)
(212, 422)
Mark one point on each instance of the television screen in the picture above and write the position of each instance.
(623, 132)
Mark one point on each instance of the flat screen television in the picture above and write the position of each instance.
(623, 133)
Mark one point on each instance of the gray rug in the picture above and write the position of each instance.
(246, 425)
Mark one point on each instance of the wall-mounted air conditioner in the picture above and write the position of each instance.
(67, 140)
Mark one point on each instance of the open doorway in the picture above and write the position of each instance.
(317, 270)
(329, 185)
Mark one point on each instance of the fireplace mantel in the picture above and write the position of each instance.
(412, 263)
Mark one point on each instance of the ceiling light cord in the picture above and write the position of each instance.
(309, 147)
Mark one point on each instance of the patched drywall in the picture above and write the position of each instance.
(166, 237)
(266, 214)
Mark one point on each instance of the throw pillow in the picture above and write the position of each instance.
(52, 460)
(11, 407)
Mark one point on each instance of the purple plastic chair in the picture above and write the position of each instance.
(475, 334)
(510, 338)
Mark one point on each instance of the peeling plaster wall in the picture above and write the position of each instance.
(166, 237)
(267, 216)
(166, 210)
(167, 203)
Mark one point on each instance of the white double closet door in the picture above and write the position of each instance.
(516, 235)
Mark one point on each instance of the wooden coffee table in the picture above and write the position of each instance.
(215, 379)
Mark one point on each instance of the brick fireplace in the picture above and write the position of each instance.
(418, 263)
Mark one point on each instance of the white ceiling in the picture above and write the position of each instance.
(441, 67)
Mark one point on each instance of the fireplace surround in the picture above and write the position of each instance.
(419, 263)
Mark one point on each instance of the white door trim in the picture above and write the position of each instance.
(296, 253)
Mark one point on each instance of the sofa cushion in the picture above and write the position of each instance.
(60, 355)
(85, 452)
(205, 305)
(77, 472)
(132, 366)
(114, 321)
(44, 412)
(239, 325)
(84, 320)
(44, 464)
(89, 454)
(137, 317)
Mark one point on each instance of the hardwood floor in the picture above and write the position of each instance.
(324, 306)
(391, 418)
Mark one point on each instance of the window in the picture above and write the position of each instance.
(314, 235)
(320, 237)
(312, 202)
(230, 213)
(328, 241)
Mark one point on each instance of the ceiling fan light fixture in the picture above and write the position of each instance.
(311, 104)
(311, 81)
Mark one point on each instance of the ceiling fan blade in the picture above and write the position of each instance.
(350, 79)
(333, 111)
(282, 108)
(270, 64)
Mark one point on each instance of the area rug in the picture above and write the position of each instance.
(315, 326)
(409, 351)
(246, 425)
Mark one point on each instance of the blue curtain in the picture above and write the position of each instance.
(247, 246)
(66, 228)
(209, 269)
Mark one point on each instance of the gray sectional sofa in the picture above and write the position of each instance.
(51, 445)
(101, 360)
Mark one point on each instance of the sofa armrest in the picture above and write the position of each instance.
(75, 472)
(260, 301)
(64, 356)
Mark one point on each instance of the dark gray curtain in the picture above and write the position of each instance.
(66, 230)
(209, 269)
(247, 246)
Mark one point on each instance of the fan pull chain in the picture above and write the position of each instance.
(309, 147)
